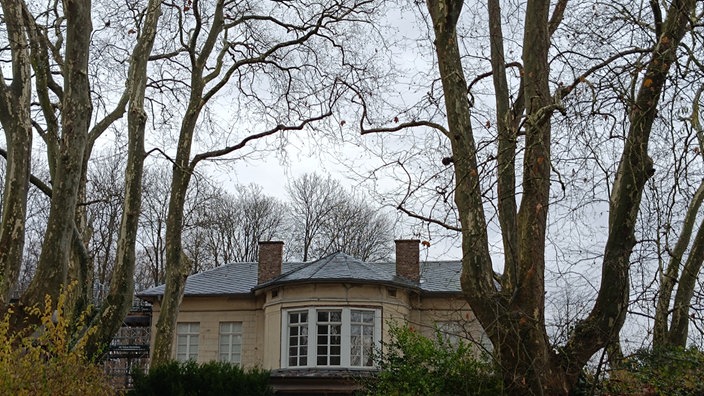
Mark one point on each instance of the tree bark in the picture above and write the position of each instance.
(668, 278)
(119, 299)
(178, 266)
(679, 328)
(506, 156)
(15, 119)
(52, 267)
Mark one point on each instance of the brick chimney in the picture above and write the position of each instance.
(270, 258)
(408, 259)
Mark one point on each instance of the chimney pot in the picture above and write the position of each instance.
(408, 259)
(270, 259)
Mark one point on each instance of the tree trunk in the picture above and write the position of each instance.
(76, 112)
(679, 328)
(515, 322)
(661, 331)
(178, 266)
(15, 119)
(668, 278)
(635, 167)
(506, 155)
(119, 299)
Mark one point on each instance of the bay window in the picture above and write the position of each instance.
(330, 337)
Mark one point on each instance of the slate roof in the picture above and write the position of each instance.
(241, 278)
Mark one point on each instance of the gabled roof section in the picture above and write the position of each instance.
(342, 267)
(241, 278)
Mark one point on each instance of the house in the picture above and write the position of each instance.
(315, 325)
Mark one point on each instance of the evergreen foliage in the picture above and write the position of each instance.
(207, 379)
(412, 364)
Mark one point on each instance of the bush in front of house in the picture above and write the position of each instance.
(44, 360)
(671, 371)
(207, 379)
(412, 364)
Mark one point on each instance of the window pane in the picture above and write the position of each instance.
(356, 316)
(329, 340)
(187, 340)
(230, 341)
(362, 340)
(297, 338)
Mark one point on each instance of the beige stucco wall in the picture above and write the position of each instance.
(261, 316)
(209, 312)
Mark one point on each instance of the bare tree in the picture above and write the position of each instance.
(291, 49)
(105, 193)
(314, 201)
(232, 226)
(685, 258)
(60, 42)
(511, 306)
(326, 218)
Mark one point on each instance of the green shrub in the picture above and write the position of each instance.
(190, 378)
(668, 371)
(412, 364)
(46, 361)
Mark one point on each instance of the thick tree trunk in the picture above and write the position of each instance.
(76, 112)
(512, 317)
(119, 299)
(15, 119)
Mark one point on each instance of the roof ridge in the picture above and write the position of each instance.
(321, 264)
(368, 265)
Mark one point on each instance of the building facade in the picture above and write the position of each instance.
(315, 325)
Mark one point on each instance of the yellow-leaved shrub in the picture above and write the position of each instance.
(47, 361)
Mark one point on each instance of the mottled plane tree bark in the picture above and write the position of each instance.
(67, 152)
(121, 293)
(16, 123)
(60, 54)
(52, 269)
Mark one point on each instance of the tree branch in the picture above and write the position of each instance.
(427, 219)
(256, 136)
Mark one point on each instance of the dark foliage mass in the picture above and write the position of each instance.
(207, 379)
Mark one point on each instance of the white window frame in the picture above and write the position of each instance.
(312, 347)
(190, 331)
(452, 331)
(233, 341)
